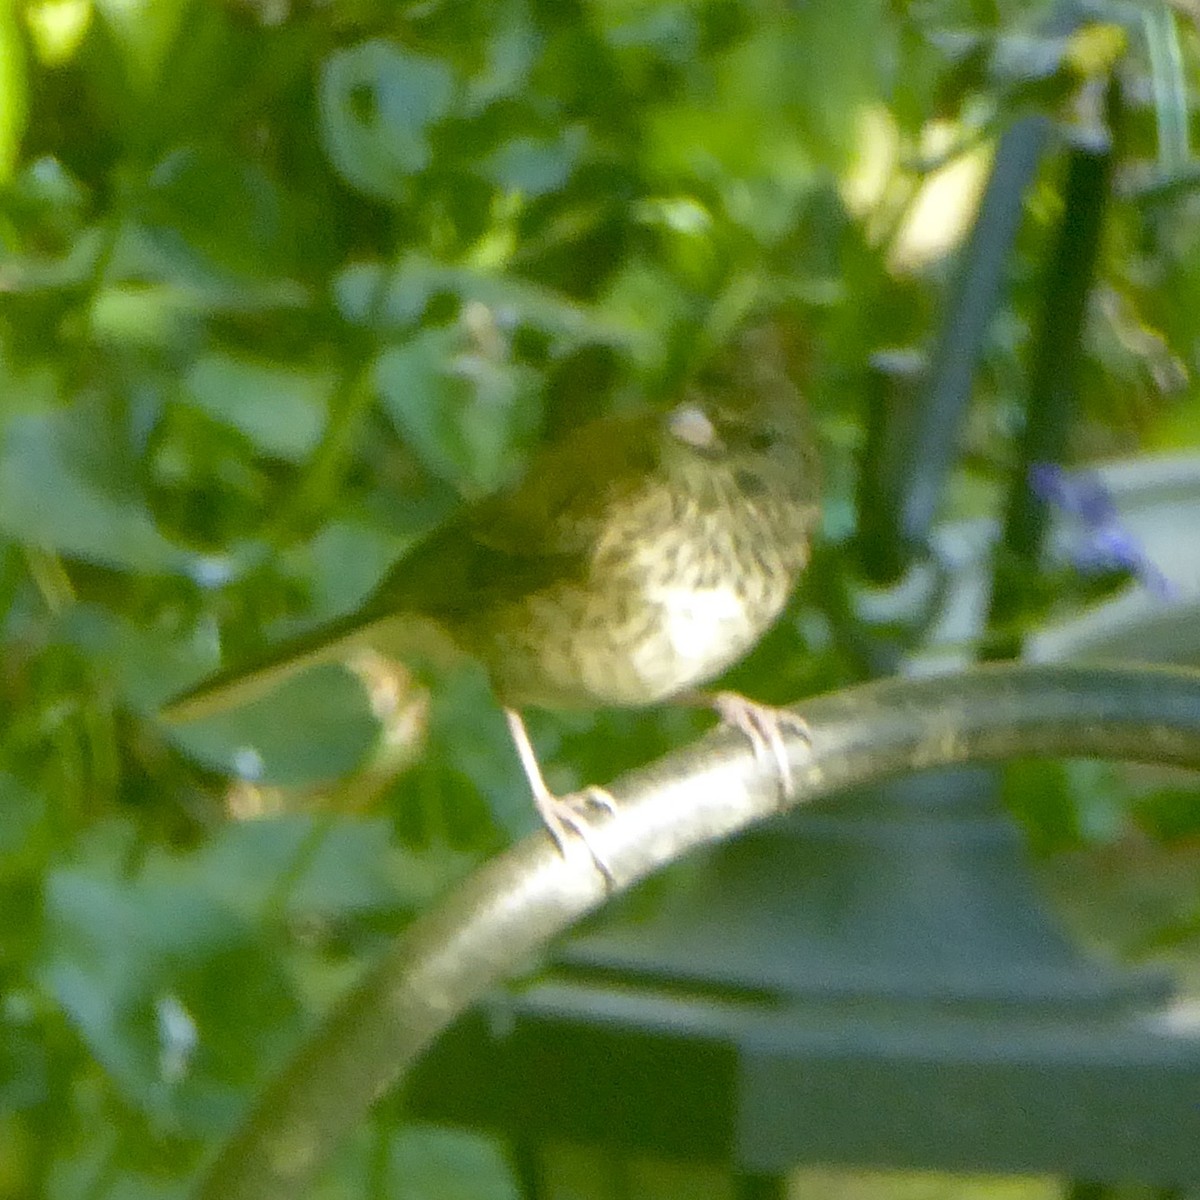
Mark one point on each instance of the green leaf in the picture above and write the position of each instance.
(643, 296)
(427, 1160)
(179, 276)
(377, 105)
(282, 410)
(408, 291)
(231, 212)
(422, 396)
(646, 30)
(138, 316)
(56, 29)
(312, 728)
(536, 167)
(22, 827)
(170, 991)
(512, 52)
(470, 748)
(468, 417)
(54, 495)
(355, 870)
(143, 666)
(345, 561)
(144, 32)
(419, 278)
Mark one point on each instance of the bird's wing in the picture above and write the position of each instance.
(516, 543)
(494, 553)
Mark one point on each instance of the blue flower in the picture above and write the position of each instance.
(1100, 542)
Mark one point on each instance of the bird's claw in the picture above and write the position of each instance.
(764, 725)
(566, 815)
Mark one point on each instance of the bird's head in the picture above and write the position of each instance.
(743, 411)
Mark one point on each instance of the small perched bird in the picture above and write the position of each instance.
(638, 559)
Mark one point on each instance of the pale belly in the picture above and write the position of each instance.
(598, 650)
(655, 616)
(700, 632)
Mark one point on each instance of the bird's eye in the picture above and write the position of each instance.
(761, 439)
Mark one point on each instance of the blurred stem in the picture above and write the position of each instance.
(107, 1172)
(110, 236)
(352, 396)
(46, 569)
(51, 579)
(100, 732)
(1169, 84)
(1052, 396)
(350, 401)
(892, 392)
(275, 905)
(379, 1160)
(69, 776)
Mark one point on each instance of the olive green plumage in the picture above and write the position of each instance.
(637, 560)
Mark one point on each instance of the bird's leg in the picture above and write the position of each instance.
(562, 814)
(763, 724)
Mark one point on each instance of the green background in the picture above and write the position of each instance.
(283, 285)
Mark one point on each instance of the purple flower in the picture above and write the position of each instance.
(1099, 541)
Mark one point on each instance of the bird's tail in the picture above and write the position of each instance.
(245, 682)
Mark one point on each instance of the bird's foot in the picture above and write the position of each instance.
(765, 726)
(565, 816)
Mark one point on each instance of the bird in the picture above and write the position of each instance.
(638, 558)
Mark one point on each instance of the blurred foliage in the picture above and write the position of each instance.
(282, 285)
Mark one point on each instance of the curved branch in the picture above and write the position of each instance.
(507, 912)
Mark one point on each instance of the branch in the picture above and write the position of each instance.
(507, 912)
